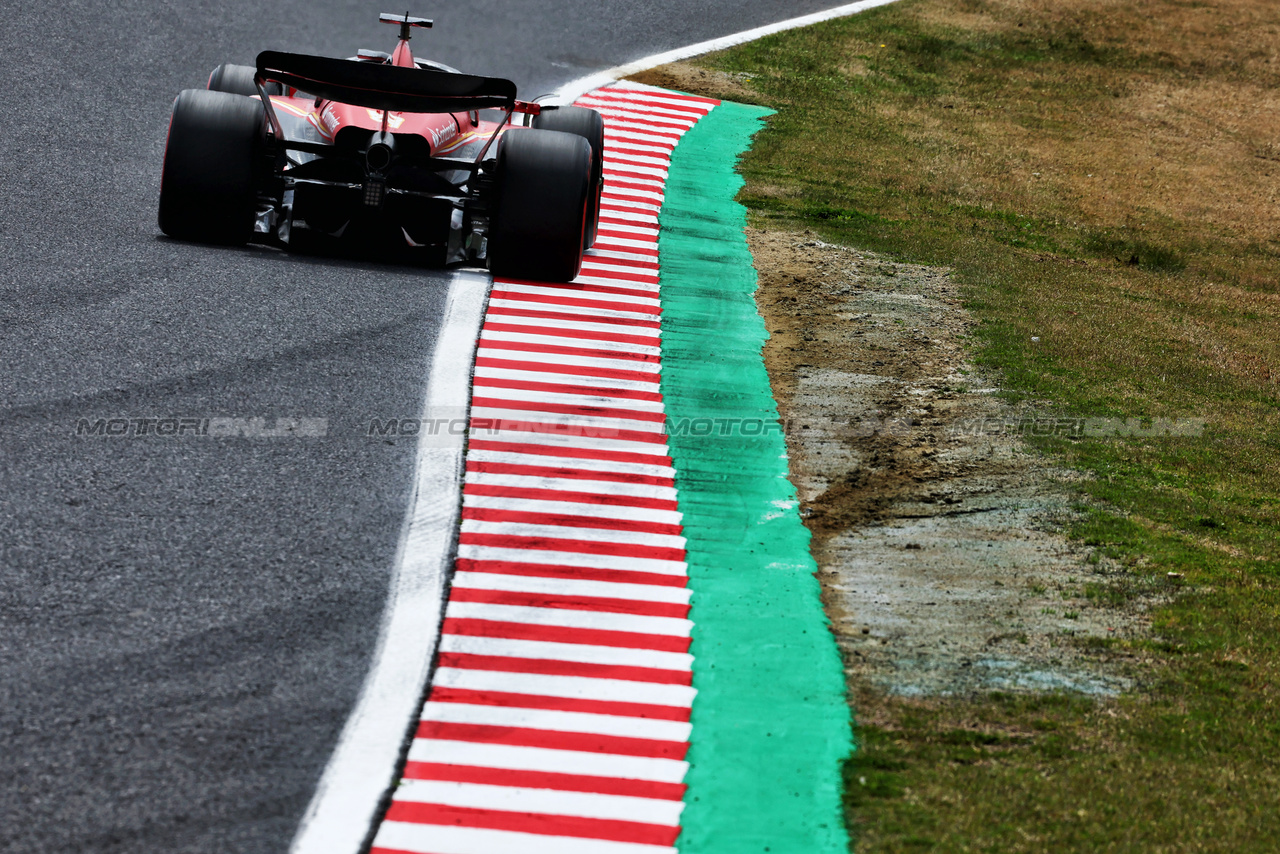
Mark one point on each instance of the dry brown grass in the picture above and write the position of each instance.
(1103, 175)
(1197, 142)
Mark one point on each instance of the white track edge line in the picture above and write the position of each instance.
(361, 769)
(574, 89)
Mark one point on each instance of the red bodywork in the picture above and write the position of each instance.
(447, 133)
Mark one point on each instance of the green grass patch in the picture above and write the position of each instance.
(1080, 168)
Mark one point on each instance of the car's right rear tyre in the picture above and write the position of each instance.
(537, 229)
(211, 165)
(589, 125)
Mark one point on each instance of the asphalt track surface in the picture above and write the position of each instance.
(186, 621)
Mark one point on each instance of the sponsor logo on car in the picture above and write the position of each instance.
(394, 120)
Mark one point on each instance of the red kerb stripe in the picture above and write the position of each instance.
(570, 370)
(585, 547)
(563, 333)
(586, 742)
(560, 704)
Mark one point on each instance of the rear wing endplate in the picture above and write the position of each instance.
(386, 87)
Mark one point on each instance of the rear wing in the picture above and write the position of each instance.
(386, 87)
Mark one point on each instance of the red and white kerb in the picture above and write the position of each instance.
(558, 716)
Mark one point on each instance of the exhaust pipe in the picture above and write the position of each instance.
(380, 153)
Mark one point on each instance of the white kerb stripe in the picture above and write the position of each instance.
(573, 309)
(569, 461)
(616, 332)
(589, 426)
(447, 752)
(558, 378)
(567, 687)
(588, 406)
(552, 651)
(538, 556)
(508, 431)
(642, 232)
(542, 801)
(535, 290)
(453, 839)
(555, 533)
(597, 267)
(573, 587)
(624, 103)
(594, 511)
(563, 484)
(556, 721)
(567, 339)
(609, 364)
(636, 243)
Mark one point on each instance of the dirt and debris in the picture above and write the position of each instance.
(938, 535)
(687, 77)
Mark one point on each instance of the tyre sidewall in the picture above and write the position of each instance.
(589, 125)
(208, 183)
(538, 226)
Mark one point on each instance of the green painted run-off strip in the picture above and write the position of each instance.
(770, 723)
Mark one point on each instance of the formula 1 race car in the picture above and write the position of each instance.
(387, 154)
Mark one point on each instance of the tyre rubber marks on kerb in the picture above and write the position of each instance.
(558, 718)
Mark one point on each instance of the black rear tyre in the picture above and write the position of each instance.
(238, 80)
(538, 226)
(208, 186)
(589, 125)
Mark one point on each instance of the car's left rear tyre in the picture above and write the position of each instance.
(537, 229)
(238, 80)
(211, 165)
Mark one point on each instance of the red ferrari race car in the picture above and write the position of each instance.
(385, 153)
